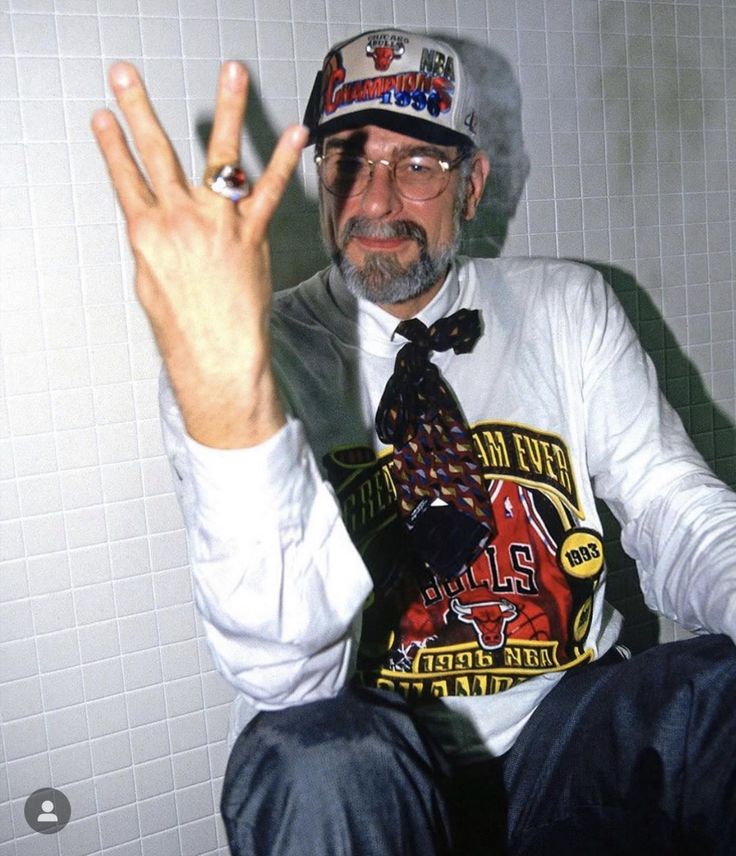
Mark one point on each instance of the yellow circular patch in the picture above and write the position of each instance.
(581, 554)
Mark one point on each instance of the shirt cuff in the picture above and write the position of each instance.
(277, 475)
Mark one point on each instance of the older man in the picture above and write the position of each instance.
(388, 481)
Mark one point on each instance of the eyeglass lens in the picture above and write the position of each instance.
(417, 177)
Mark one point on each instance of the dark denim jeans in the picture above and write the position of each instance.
(631, 757)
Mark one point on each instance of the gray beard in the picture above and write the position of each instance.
(382, 279)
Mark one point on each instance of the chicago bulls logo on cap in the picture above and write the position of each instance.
(384, 51)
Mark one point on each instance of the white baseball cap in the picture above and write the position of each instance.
(407, 82)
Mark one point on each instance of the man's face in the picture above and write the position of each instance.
(391, 249)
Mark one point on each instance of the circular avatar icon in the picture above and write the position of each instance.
(47, 810)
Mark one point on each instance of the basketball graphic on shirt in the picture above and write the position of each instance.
(521, 608)
(531, 623)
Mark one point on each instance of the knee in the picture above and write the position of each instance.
(358, 735)
(313, 770)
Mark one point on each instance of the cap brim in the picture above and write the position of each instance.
(411, 126)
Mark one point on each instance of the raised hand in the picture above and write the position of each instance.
(202, 261)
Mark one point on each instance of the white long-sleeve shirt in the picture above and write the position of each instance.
(563, 404)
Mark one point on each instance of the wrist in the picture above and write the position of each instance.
(229, 410)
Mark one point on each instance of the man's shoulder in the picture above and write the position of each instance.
(523, 282)
(520, 269)
(305, 298)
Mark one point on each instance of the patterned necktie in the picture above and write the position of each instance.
(439, 482)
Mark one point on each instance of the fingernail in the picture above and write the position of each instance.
(101, 120)
(299, 136)
(121, 75)
(234, 75)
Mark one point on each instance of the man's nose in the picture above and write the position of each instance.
(380, 196)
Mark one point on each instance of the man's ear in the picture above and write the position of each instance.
(476, 184)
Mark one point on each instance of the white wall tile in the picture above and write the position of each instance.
(71, 764)
(154, 778)
(21, 698)
(125, 519)
(188, 732)
(78, 35)
(68, 368)
(77, 448)
(107, 717)
(50, 612)
(58, 650)
(103, 678)
(43, 120)
(194, 803)
(120, 36)
(146, 705)
(27, 775)
(99, 641)
(163, 513)
(86, 526)
(134, 595)
(141, 669)
(150, 742)
(19, 660)
(119, 825)
(117, 443)
(175, 623)
(67, 726)
(164, 78)
(158, 813)
(198, 837)
(39, 494)
(11, 545)
(31, 846)
(111, 752)
(84, 835)
(138, 633)
(216, 689)
(81, 488)
(191, 767)
(44, 533)
(162, 844)
(179, 660)
(62, 689)
(15, 203)
(89, 565)
(23, 733)
(114, 790)
(94, 603)
(184, 696)
(25, 371)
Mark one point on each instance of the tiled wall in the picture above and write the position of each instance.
(106, 688)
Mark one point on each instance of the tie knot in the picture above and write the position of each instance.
(415, 389)
(459, 331)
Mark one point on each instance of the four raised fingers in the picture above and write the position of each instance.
(165, 180)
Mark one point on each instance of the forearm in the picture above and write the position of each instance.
(227, 404)
(685, 547)
(678, 520)
(277, 579)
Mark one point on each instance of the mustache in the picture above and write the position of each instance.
(362, 227)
